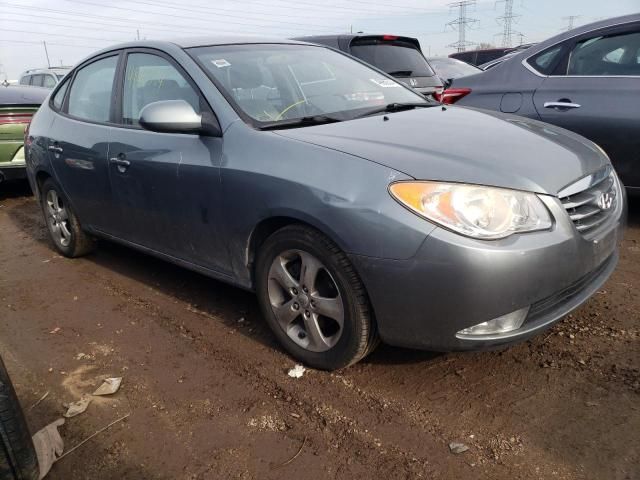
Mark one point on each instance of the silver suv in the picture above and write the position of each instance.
(43, 77)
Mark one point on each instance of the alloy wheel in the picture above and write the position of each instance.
(58, 218)
(306, 300)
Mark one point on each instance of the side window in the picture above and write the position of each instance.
(36, 80)
(606, 55)
(150, 78)
(90, 94)
(25, 80)
(58, 98)
(49, 81)
(545, 61)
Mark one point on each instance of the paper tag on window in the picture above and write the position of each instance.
(221, 63)
(385, 83)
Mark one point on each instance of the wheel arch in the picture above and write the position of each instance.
(271, 224)
(41, 177)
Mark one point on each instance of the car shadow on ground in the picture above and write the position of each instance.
(212, 297)
(14, 189)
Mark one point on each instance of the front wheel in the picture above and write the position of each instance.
(18, 459)
(313, 299)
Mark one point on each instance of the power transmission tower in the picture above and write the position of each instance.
(570, 21)
(507, 19)
(461, 24)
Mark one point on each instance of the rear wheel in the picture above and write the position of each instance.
(62, 223)
(313, 299)
(18, 459)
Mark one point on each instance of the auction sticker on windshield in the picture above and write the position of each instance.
(221, 63)
(385, 83)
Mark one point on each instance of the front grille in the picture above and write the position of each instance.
(590, 202)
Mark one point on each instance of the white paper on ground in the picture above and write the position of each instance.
(109, 386)
(49, 446)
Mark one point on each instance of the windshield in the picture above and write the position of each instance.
(451, 68)
(399, 59)
(278, 83)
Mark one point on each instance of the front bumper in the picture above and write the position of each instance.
(455, 282)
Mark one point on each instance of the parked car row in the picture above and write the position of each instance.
(43, 77)
(357, 208)
(586, 80)
(17, 106)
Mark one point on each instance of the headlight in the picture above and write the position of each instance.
(474, 210)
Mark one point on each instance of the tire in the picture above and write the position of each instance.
(18, 459)
(296, 312)
(63, 224)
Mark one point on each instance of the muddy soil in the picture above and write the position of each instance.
(208, 394)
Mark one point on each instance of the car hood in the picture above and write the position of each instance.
(460, 144)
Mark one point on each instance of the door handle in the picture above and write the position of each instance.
(55, 148)
(561, 105)
(122, 162)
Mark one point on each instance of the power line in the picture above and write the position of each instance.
(34, 42)
(461, 24)
(217, 14)
(191, 29)
(187, 17)
(570, 21)
(104, 17)
(112, 28)
(507, 19)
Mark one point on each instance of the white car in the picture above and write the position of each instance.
(43, 77)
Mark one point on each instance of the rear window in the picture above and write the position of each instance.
(397, 58)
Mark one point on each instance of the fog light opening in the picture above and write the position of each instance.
(505, 323)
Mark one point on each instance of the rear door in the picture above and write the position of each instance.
(166, 185)
(79, 141)
(399, 57)
(594, 90)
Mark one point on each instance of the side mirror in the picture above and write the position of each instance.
(176, 116)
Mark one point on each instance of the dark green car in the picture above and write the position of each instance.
(17, 106)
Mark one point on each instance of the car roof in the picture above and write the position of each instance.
(191, 42)
(22, 95)
(609, 22)
(212, 40)
(31, 71)
(351, 36)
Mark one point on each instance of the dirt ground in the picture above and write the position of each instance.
(208, 394)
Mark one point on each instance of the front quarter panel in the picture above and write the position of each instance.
(265, 175)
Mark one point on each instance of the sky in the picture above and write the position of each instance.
(73, 29)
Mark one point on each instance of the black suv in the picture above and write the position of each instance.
(400, 57)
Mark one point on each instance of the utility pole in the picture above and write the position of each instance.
(46, 53)
(570, 21)
(507, 20)
(461, 24)
(138, 33)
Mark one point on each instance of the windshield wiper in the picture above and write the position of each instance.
(396, 107)
(401, 73)
(300, 122)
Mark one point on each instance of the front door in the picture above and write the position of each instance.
(597, 96)
(166, 185)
